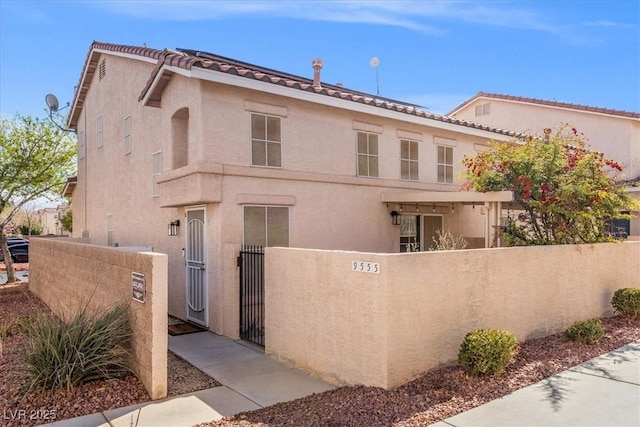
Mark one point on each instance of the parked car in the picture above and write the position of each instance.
(16, 241)
(19, 252)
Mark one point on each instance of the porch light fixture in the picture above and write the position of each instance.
(53, 105)
(395, 217)
(173, 227)
(453, 209)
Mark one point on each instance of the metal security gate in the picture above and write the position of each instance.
(251, 263)
(195, 266)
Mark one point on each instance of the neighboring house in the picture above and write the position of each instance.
(196, 155)
(51, 220)
(615, 133)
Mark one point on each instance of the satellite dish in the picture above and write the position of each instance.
(374, 62)
(52, 102)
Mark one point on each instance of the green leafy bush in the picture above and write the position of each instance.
(626, 302)
(89, 346)
(487, 351)
(585, 331)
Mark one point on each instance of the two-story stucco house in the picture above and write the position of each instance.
(615, 133)
(51, 220)
(196, 155)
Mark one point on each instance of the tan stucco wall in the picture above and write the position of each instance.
(330, 207)
(67, 275)
(617, 137)
(385, 329)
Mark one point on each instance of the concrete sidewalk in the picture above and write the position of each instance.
(251, 380)
(22, 273)
(604, 391)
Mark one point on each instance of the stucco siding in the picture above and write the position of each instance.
(352, 327)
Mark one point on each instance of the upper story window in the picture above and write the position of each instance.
(483, 109)
(266, 140)
(409, 159)
(445, 164)
(367, 154)
(99, 132)
(127, 135)
(157, 170)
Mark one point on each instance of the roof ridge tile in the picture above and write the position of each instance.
(552, 103)
(186, 59)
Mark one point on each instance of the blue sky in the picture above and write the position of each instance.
(432, 53)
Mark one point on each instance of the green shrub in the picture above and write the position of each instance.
(626, 302)
(585, 331)
(89, 346)
(487, 351)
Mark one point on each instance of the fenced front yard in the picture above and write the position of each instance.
(383, 319)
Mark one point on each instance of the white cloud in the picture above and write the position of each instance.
(430, 17)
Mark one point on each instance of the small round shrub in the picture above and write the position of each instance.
(487, 351)
(585, 331)
(626, 302)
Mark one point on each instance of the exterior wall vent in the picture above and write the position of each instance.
(102, 71)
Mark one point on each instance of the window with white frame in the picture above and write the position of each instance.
(367, 154)
(127, 135)
(266, 225)
(266, 140)
(483, 109)
(445, 164)
(99, 132)
(409, 159)
(110, 232)
(81, 145)
(157, 170)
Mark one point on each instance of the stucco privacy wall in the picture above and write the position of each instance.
(66, 275)
(384, 329)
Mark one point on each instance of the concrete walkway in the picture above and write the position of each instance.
(604, 391)
(251, 380)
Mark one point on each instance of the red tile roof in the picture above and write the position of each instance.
(571, 106)
(187, 59)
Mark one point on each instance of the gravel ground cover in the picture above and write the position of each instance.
(436, 395)
(18, 409)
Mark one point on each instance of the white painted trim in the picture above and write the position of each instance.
(126, 55)
(447, 197)
(260, 86)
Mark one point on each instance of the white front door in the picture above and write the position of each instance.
(197, 310)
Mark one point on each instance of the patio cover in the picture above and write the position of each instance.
(492, 201)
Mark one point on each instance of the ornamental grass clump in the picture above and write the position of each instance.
(91, 345)
(626, 302)
(487, 351)
(585, 331)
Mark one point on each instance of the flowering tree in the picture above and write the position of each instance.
(566, 191)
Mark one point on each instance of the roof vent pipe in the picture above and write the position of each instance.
(317, 66)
